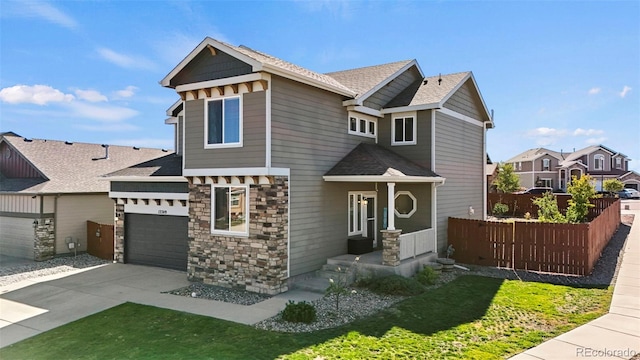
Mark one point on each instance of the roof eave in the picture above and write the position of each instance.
(360, 99)
(132, 178)
(306, 80)
(384, 178)
(410, 108)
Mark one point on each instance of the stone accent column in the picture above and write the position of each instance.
(44, 246)
(118, 251)
(391, 247)
(257, 262)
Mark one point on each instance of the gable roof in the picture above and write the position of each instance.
(168, 165)
(376, 163)
(589, 149)
(71, 167)
(429, 91)
(534, 154)
(366, 80)
(262, 62)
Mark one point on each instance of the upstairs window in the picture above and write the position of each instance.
(223, 123)
(363, 125)
(598, 162)
(618, 163)
(403, 129)
(546, 165)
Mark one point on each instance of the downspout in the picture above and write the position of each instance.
(55, 221)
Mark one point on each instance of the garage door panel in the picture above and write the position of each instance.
(156, 240)
(16, 237)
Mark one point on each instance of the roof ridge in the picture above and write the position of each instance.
(370, 66)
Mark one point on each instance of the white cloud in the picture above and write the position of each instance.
(38, 9)
(181, 45)
(625, 90)
(125, 61)
(102, 112)
(596, 141)
(545, 131)
(126, 93)
(594, 91)
(587, 132)
(90, 95)
(36, 94)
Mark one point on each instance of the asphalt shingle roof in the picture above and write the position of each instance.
(168, 165)
(72, 167)
(533, 154)
(363, 79)
(373, 159)
(420, 93)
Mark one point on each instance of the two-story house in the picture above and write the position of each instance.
(284, 164)
(544, 167)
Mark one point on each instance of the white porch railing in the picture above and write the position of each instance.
(416, 243)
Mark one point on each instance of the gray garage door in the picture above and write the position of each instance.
(16, 237)
(156, 240)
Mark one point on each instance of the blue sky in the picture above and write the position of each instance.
(561, 75)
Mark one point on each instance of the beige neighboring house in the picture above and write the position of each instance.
(49, 189)
(548, 168)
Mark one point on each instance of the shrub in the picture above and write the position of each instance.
(395, 285)
(299, 312)
(548, 209)
(427, 276)
(527, 215)
(582, 191)
(499, 209)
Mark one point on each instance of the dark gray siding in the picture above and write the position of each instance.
(421, 219)
(391, 90)
(459, 158)
(309, 136)
(419, 153)
(251, 154)
(155, 187)
(179, 135)
(156, 240)
(207, 67)
(467, 102)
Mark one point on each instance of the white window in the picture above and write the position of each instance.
(547, 183)
(405, 204)
(403, 129)
(223, 123)
(229, 209)
(546, 165)
(598, 162)
(618, 163)
(355, 213)
(363, 125)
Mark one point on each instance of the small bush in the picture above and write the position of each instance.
(427, 276)
(548, 209)
(395, 285)
(527, 215)
(301, 312)
(500, 209)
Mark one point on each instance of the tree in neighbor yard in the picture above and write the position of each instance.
(582, 191)
(506, 181)
(612, 186)
(548, 209)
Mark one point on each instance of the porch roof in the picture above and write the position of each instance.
(374, 163)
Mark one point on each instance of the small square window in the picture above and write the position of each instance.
(223, 122)
(362, 125)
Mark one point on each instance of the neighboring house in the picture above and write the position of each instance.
(547, 168)
(284, 164)
(491, 171)
(49, 189)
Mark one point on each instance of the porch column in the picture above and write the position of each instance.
(391, 206)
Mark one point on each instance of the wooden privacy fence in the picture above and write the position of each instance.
(557, 248)
(519, 204)
(100, 240)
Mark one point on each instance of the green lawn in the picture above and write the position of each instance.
(472, 317)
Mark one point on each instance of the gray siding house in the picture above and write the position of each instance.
(284, 165)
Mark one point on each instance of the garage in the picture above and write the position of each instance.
(16, 237)
(156, 240)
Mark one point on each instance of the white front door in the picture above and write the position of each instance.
(362, 215)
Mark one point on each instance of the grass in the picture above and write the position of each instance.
(472, 317)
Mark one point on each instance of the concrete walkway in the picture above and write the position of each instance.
(615, 335)
(34, 306)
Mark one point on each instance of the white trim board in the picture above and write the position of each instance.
(147, 178)
(459, 116)
(156, 210)
(251, 171)
(383, 178)
(148, 195)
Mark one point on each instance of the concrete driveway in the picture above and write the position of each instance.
(34, 306)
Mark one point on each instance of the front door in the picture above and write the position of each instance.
(370, 219)
(362, 215)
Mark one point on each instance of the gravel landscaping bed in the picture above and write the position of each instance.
(35, 269)
(219, 293)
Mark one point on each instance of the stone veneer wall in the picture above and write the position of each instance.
(118, 252)
(256, 263)
(44, 242)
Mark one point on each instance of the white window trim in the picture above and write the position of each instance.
(368, 120)
(403, 115)
(544, 180)
(546, 167)
(352, 219)
(247, 209)
(618, 163)
(596, 162)
(206, 123)
(413, 210)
